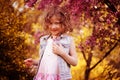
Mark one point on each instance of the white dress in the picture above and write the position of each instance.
(48, 69)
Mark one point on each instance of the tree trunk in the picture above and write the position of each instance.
(87, 71)
(87, 74)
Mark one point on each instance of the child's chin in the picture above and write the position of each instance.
(55, 34)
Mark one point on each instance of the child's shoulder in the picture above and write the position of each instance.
(45, 37)
(66, 36)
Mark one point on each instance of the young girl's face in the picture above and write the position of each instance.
(55, 26)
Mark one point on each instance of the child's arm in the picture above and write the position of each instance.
(29, 62)
(72, 58)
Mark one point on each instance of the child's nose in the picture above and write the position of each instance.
(54, 26)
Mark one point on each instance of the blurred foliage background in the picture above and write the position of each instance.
(96, 33)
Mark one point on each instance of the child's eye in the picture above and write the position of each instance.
(57, 23)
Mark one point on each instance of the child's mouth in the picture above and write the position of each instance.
(54, 30)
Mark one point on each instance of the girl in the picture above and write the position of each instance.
(57, 49)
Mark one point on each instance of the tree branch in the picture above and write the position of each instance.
(110, 5)
(107, 53)
(84, 56)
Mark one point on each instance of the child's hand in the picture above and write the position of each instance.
(29, 62)
(58, 49)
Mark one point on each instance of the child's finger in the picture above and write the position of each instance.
(54, 44)
(60, 45)
(28, 60)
